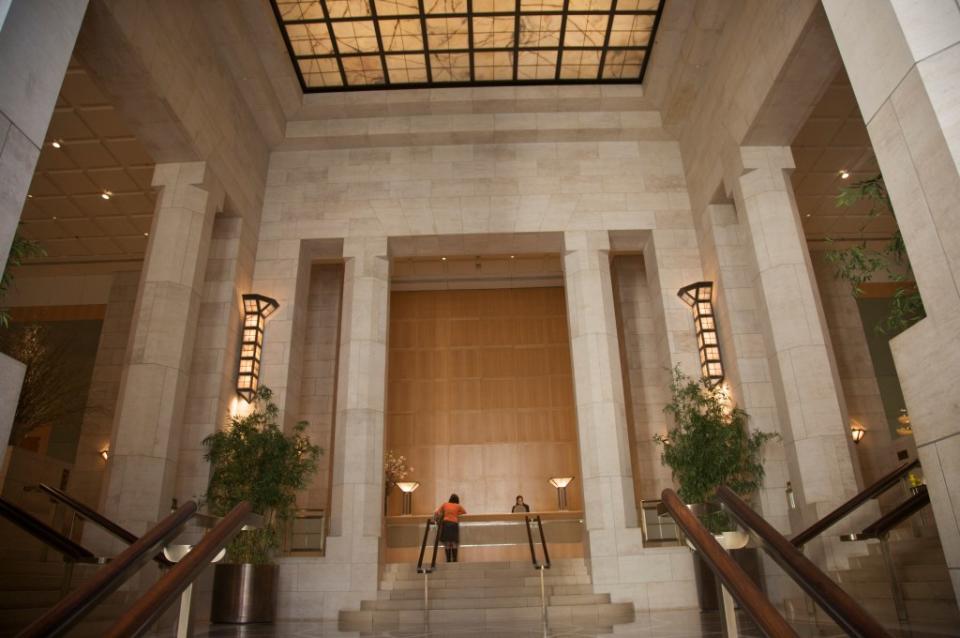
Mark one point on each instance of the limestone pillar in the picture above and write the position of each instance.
(153, 388)
(905, 80)
(809, 399)
(356, 506)
(36, 40)
(598, 389)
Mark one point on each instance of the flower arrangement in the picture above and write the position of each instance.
(395, 469)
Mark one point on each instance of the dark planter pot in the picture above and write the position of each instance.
(708, 591)
(244, 593)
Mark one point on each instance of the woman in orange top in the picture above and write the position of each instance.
(451, 512)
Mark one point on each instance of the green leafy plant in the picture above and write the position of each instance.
(253, 460)
(859, 263)
(20, 250)
(709, 446)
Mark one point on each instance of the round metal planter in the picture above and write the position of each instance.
(244, 593)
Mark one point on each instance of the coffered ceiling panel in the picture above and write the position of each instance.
(833, 143)
(91, 198)
(338, 45)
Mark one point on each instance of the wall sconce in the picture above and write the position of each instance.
(407, 488)
(561, 483)
(256, 309)
(699, 296)
(105, 454)
(856, 431)
(906, 428)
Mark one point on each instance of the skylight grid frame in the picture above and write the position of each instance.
(363, 70)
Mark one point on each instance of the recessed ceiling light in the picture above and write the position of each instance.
(146, 234)
(808, 215)
(29, 196)
(56, 143)
(512, 256)
(844, 174)
(106, 194)
(54, 218)
(443, 259)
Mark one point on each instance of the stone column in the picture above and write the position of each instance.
(153, 389)
(36, 40)
(608, 495)
(905, 79)
(810, 402)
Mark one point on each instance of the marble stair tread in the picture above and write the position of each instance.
(531, 580)
(29, 599)
(481, 592)
(594, 615)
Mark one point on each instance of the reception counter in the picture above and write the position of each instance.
(488, 537)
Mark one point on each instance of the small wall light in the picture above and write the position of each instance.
(407, 488)
(561, 483)
(844, 174)
(105, 454)
(699, 296)
(106, 194)
(57, 143)
(256, 309)
(906, 428)
(856, 432)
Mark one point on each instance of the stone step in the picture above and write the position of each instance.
(920, 557)
(13, 620)
(921, 611)
(484, 592)
(485, 565)
(29, 599)
(30, 582)
(593, 615)
(486, 603)
(45, 568)
(526, 581)
(451, 571)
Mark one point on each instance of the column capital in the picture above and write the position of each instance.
(365, 247)
(179, 179)
(766, 167)
(598, 240)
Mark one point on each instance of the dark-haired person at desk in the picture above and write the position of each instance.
(520, 506)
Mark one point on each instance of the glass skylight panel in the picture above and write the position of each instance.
(363, 44)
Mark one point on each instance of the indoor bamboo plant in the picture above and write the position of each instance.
(709, 446)
(254, 460)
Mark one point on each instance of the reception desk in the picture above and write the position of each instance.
(488, 537)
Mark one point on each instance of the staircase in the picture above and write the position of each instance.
(922, 573)
(29, 588)
(484, 593)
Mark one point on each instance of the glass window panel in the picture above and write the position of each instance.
(580, 65)
(245, 381)
(363, 69)
(631, 31)
(492, 33)
(309, 39)
(397, 7)
(321, 72)
(585, 30)
(537, 65)
(348, 8)
(450, 67)
(540, 5)
(709, 338)
(445, 6)
(540, 31)
(493, 66)
(637, 5)
(447, 33)
(590, 5)
(494, 6)
(300, 9)
(401, 35)
(406, 69)
(355, 37)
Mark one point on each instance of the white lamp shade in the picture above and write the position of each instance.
(561, 481)
(408, 486)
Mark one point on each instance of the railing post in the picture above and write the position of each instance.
(898, 600)
(729, 612)
(543, 595)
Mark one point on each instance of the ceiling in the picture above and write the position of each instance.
(835, 139)
(65, 211)
(338, 45)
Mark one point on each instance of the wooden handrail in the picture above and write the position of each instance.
(881, 485)
(894, 517)
(737, 582)
(81, 601)
(99, 519)
(137, 619)
(837, 603)
(44, 533)
(543, 542)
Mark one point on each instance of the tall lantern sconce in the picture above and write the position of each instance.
(699, 296)
(256, 309)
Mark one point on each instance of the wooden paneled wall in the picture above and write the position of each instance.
(480, 397)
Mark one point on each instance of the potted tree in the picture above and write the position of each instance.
(709, 446)
(254, 460)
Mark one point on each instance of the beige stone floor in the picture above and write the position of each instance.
(672, 624)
